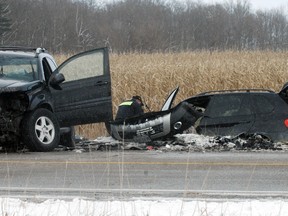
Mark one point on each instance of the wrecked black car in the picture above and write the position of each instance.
(40, 102)
(215, 113)
(235, 112)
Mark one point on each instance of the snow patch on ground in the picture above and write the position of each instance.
(161, 206)
(80, 207)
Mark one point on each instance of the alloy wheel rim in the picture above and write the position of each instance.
(45, 130)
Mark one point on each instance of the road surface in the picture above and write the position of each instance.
(128, 174)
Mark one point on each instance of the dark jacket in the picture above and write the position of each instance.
(128, 109)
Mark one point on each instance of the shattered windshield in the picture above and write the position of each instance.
(18, 68)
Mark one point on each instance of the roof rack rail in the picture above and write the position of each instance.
(40, 50)
(17, 48)
(21, 48)
(236, 90)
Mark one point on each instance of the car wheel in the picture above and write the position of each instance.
(40, 130)
(68, 138)
(108, 127)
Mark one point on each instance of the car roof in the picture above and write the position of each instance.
(236, 91)
(23, 51)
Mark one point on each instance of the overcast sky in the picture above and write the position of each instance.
(259, 4)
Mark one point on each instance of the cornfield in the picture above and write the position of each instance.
(154, 76)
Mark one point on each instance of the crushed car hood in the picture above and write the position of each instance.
(7, 85)
(168, 103)
(284, 89)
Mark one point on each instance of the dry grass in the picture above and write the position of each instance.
(153, 76)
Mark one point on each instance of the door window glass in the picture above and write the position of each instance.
(229, 105)
(262, 104)
(83, 66)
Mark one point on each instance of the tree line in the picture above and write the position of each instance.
(141, 25)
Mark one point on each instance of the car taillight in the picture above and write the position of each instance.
(286, 122)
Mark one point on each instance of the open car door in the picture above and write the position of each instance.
(86, 92)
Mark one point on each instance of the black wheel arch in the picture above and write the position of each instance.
(43, 99)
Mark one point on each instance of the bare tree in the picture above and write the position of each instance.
(142, 25)
(5, 21)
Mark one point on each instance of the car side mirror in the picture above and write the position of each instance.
(55, 80)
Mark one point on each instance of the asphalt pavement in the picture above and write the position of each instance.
(128, 174)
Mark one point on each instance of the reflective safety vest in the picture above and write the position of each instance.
(128, 109)
(126, 103)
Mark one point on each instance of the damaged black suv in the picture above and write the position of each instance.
(40, 102)
(242, 112)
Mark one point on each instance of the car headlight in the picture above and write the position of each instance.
(18, 105)
(18, 102)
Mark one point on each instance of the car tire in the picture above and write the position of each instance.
(40, 130)
(108, 127)
(67, 139)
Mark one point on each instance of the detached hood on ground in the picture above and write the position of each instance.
(7, 85)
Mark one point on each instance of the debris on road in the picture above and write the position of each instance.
(188, 142)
